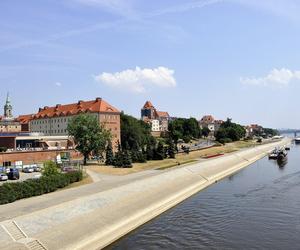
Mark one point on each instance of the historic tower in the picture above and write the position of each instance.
(8, 108)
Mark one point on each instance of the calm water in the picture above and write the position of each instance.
(257, 208)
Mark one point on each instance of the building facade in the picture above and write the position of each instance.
(159, 120)
(209, 122)
(53, 121)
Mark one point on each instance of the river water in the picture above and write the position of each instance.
(257, 208)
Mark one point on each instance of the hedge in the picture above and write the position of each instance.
(10, 192)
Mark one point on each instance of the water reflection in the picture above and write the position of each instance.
(281, 163)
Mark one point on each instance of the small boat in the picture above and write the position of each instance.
(278, 154)
(287, 148)
(281, 156)
(297, 140)
(274, 154)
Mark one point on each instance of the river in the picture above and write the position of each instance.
(256, 208)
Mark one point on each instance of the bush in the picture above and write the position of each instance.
(225, 140)
(50, 168)
(10, 192)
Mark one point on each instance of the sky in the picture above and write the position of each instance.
(229, 58)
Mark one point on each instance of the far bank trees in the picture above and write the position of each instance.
(185, 129)
(230, 131)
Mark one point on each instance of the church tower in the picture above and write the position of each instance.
(8, 108)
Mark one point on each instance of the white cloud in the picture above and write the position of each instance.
(276, 77)
(138, 80)
(58, 84)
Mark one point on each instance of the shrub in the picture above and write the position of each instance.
(225, 140)
(50, 168)
(10, 192)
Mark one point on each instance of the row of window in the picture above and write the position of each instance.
(52, 131)
(8, 127)
(110, 117)
(56, 120)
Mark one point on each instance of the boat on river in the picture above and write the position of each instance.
(282, 154)
(278, 154)
(297, 140)
(273, 155)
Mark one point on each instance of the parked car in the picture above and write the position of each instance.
(28, 170)
(3, 177)
(36, 168)
(68, 169)
(13, 174)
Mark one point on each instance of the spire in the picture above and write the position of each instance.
(8, 99)
(8, 107)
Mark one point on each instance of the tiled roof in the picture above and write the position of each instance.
(148, 105)
(162, 114)
(24, 119)
(95, 106)
(207, 118)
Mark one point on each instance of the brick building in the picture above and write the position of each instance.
(53, 121)
(159, 120)
(209, 122)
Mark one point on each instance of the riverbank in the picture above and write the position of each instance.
(95, 221)
(180, 159)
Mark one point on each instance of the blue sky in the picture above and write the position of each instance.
(228, 58)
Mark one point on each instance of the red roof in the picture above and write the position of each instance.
(148, 105)
(24, 119)
(95, 106)
(162, 114)
(207, 119)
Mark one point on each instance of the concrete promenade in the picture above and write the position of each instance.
(95, 215)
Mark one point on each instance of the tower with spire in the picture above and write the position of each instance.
(8, 108)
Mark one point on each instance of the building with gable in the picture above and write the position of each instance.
(159, 120)
(209, 122)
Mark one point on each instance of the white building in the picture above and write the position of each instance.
(155, 125)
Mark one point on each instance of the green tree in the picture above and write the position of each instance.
(150, 148)
(88, 135)
(230, 131)
(185, 129)
(205, 131)
(50, 168)
(118, 159)
(171, 149)
(127, 163)
(160, 152)
(109, 155)
(135, 137)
